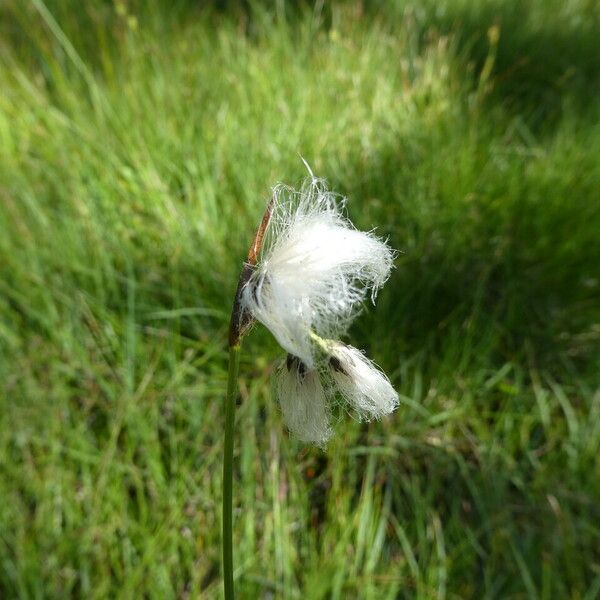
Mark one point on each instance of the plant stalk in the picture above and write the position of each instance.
(234, 361)
(240, 322)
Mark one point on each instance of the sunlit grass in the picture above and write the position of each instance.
(137, 149)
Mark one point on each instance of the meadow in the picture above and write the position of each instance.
(139, 142)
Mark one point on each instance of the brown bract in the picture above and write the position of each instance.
(242, 320)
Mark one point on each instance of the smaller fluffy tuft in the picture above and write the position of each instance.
(364, 387)
(303, 402)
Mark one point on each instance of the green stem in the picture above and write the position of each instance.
(234, 361)
(240, 321)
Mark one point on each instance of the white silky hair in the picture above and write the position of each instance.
(366, 389)
(303, 402)
(315, 270)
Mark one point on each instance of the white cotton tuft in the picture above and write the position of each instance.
(315, 269)
(303, 402)
(361, 383)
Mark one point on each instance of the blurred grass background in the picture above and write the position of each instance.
(138, 144)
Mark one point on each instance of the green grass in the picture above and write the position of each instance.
(138, 146)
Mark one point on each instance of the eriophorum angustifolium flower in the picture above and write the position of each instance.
(315, 271)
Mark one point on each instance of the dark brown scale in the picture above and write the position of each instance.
(336, 365)
(293, 362)
(254, 292)
(263, 279)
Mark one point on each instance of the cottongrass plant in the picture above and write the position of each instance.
(307, 274)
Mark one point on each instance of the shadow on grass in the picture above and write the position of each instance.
(499, 514)
(497, 242)
(542, 54)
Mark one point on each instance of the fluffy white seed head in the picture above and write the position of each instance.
(315, 269)
(361, 383)
(303, 402)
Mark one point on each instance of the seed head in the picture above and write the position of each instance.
(315, 269)
(313, 274)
